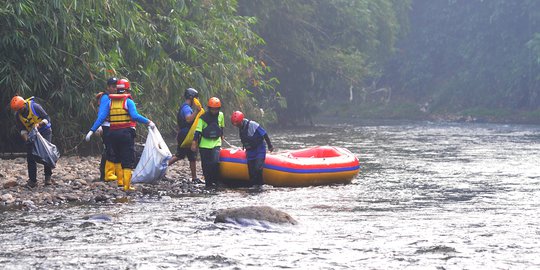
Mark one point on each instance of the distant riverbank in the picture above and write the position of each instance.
(411, 111)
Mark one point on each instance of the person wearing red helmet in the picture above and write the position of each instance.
(31, 115)
(123, 116)
(207, 139)
(253, 138)
(185, 118)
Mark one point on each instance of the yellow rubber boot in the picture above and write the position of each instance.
(119, 173)
(127, 180)
(109, 172)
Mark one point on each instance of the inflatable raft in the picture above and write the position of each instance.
(314, 166)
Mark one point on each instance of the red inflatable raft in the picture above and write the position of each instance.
(320, 165)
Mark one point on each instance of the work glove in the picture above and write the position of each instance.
(43, 122)
(151, 125)
(99, 131)
(89, 135)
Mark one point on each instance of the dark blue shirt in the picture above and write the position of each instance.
(258, 132)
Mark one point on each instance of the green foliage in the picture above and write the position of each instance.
(320, 48)
(63, 51)
(468, 54)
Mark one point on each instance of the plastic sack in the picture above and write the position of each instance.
(153, 163)
(43, 151)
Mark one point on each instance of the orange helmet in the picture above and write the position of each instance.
(214, 102)
(17, 103)
(122, 84)
(237, 117)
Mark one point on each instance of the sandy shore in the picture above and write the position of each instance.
(77, 181)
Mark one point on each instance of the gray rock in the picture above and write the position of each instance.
(8, 198)
(29, 204)
(98, 217)
(71, 197)
(81, 182)
(101, 198)
(257, 213)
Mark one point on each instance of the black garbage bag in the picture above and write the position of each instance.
(43, 151)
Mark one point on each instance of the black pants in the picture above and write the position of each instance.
(210, 165)
(108, 150)
(31, 161)
(122, 142)
(255, 169)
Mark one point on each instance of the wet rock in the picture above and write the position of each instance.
(87, 224)
(257, 213)
(101, 198)
(98, 217)
(436, 249)
(10, 184)
(28, 204)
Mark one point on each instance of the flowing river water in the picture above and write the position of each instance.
(429, 196)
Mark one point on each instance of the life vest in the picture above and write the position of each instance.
(98, 97)
(182, 123)
(212, 130)
(249, 142)
(32, 119)
(118, 114)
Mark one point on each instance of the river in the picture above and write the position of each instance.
(429, 196)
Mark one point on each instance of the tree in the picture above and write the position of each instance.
(321, 49)
(470, 54)
(63, 50)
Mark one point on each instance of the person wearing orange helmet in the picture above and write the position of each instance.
(207, 139)
(123, 116)
(253, 138)
(32, 115)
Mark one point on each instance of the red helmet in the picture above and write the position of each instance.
(237, 117)
(123, 84)
(214, 102)
(17, 103)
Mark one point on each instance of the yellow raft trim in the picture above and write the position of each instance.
(239, 171)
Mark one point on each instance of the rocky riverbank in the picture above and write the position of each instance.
(77, 181)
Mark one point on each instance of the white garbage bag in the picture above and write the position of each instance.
(153, 163)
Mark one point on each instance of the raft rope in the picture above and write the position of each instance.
(230, 145)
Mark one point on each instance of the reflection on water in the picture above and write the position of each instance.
(429, 196)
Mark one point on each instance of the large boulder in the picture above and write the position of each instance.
(246, 215)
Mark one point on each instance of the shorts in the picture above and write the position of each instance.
(185, 152)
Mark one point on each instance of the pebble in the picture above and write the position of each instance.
(10, 184)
